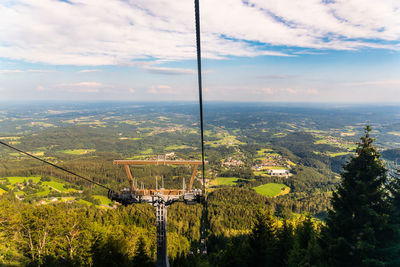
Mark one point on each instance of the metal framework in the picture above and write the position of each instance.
(160, 198)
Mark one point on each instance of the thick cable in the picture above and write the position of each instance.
(58, 167)
(197, 19)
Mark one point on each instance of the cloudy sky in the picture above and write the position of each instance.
(253, 50)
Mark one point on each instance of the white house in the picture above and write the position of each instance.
(279, 172)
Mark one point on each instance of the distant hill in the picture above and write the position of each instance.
(391, 154)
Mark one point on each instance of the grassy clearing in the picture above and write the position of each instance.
(2, 191)
(44, 193)
(130, 138)
(230, 181)
(142, 157)
(279, 134)
(339, 154)
(20, 180)
(78, 151)
(263, 151)
(224, 139)
(348, 134)
(147, 151)
(176, 147)
(58, 186)
(16, 154)
(10, 138)
(272, 189)
(41, 124)
(84, 202)
(47, 185)
(103, 200)
(130, 122)
(261, 173)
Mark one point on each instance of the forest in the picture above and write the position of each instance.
(341, 207)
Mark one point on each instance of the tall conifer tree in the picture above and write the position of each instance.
(394, 187)
(357, 231)
(263, 240)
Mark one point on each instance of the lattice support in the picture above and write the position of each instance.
(161, 218)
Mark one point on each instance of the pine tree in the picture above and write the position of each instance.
(306, 251)
(285, 243)
(141, 257)
(357, 229)
(394, 187)
(263, 240)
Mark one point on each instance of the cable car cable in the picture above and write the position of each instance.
(54, 165)
(197, 19)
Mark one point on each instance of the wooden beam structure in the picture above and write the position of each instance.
(192, 178)
(129, 174)
(158, 162)
(126, 164)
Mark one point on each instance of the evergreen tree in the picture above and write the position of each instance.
(357, 229)
(306, 251)
(394, 188)
(263, 240)
(285, 243)
(141, 258)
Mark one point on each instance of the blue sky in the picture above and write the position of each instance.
(256, 50)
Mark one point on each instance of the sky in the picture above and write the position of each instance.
(252, 50)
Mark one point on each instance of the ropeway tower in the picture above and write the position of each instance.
(160, 198)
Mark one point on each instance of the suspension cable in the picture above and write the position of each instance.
(54, 165)
(197, 18)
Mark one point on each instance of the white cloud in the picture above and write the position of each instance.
(87, 71)
(290, 91)
(161, 89)
(10, 71)
(83, 87)
(41, 71)
(263, 91)
(312, 91)
(385, 83)
(131, 90)
(82, 84)
(110, 32)
(285, 91)
(169, 71)
(41, 88)
(23, 71)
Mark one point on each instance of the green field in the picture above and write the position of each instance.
(272, 189)
(231, 181)
(130, 138)
(261, 173)
(54, 184)
(10, 138)
(103, 200)
(44, 193)
(147, 151)
(2, 191)
(20, 180)
(224, 139)
(339, 154)
(176, 147)
(81, 201)
(263, 151)
(78, 151)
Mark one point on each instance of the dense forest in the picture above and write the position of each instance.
(362, 227)
(338, 206)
